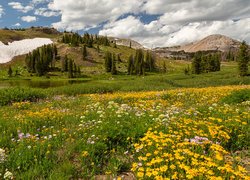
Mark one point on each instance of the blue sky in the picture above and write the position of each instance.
(151, 22)
(11, 16)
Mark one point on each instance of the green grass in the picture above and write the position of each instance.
(85, 136)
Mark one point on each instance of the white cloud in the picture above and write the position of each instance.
(29, 19)
(35, 2)
(1, 11)
(179, 21)
(45, 12)
(156, 34)
(184, 21)
(17, 24)
(80, 14)
(18, 6)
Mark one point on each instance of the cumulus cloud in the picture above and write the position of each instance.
(184, 21)
(45, 12)
(1, 11)
(81, 14)
(179, 21)
(29, 19)
(35, 2)
(17, 24)
(18, 6)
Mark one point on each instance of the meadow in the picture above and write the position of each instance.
(187, 133)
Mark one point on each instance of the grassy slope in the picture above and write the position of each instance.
(12, 35)
(93, 68)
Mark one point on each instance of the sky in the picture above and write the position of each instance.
(153, 23)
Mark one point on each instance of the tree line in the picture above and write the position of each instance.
(41, 60)
(138, 64)
(69, 66)
(74, 39)
(206, 63)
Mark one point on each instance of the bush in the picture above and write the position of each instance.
(11, 95)
(237, 97)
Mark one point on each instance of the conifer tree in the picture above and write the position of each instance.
(113, 68)
(164, 67)
(139, 62)
(108, 61)
(130, 65)
(119, 58)
(70, 72)
(196, 63)
(243, 59)
(10, 71)
(84, 52)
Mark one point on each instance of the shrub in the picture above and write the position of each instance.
(237, 97)
(11, 95)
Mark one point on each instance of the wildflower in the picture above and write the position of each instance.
(85, 153)
(2, 155)
(8, 175)
(140, 174)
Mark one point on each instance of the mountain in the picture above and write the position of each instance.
(126, 42)
(210, 43)
(214, 42)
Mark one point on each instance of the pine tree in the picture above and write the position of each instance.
(130, 65)
(10, 71)
(139, 62)
(196, 63)
(119, 58)
(113, 68)
(84, 52)
(108, 61)
(70, 73)
(164, 67)
(66, 65)
(39, 68)
(217, 57)
(79, 71)
(243, 59)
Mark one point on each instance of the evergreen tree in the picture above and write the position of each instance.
(113, 68)
(196, 63)
(79, 71)
(39, 68)
(65, 64)
(149, 61)
(243, 59)
(130, 65)
(108, 61)
(74, 68)
(119, 58)
(84, 52)
(164, 67)
(217, 61)
(10, 71)
(70, 72)
(139, 62)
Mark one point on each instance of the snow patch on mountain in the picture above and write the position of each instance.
(16, 48)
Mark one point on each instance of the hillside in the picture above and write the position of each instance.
(126, 42)
(214, 42)
(7, 35)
